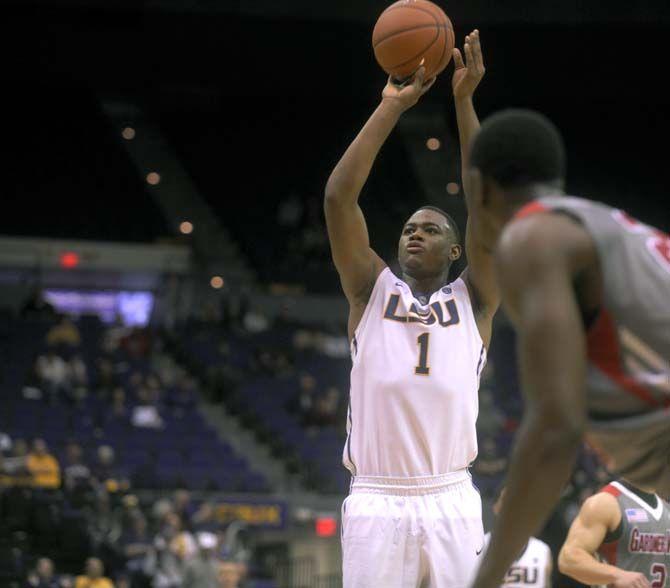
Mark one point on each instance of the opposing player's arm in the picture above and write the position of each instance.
(536, 262)
(599, 515)
(480, 273)
(357, 264)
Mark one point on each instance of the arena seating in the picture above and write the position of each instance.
(186, 452)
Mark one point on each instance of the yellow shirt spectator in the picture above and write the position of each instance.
(43, 466)
(86, 582)
(94, 576)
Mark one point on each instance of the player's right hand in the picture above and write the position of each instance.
(631, 580)
(404, 96)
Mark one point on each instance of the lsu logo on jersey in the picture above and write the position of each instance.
(521, 575)
(435, 313)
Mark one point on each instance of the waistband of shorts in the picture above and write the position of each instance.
(408, 486)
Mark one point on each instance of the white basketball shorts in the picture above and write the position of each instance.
(411, 532)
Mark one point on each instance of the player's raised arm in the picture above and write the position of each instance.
(357, 264)
(480, 274)
(537, 259)
(599, 515)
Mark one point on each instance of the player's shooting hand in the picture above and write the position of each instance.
(631, 580)
(467, 75)
(407, 94)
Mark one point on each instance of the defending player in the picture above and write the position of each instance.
(533, 567)
(620, 538)
(418, 344)
(588, 290)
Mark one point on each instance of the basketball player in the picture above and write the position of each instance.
(588, 290)
(418, 345)
(628, 530)
(533, 567)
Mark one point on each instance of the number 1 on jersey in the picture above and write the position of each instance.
(422, 369)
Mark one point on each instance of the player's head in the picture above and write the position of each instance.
(517, 156)
(429, 243)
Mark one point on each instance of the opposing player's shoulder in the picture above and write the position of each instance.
(602, 507)
(544, 239)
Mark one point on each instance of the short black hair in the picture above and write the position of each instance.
(519, 147)
(450, 221)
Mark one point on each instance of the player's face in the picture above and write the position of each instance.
(426, 246)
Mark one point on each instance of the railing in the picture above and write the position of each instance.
(301, 573)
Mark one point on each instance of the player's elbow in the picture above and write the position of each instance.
(560, 435)
(569, 559)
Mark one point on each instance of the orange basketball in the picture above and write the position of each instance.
(409, 31)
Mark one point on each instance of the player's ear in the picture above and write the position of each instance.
(455, 252)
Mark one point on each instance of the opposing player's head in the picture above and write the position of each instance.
(429, 243)
(517, 156)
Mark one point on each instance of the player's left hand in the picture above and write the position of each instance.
(467, 75)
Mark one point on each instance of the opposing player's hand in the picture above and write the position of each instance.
(631, 580)
(467, 75)
(406, 95)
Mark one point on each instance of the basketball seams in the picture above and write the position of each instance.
(436, 19)
(437, 23)
(426, 48)
(409, 30)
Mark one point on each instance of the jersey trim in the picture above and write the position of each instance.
(531, 208)
(613, 536)
(654, 512)
(605, 353)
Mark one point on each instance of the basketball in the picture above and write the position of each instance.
(410, 31)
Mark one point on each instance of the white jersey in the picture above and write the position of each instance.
(531, 568)
(414, 382)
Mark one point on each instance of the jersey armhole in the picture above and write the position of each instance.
(459, 282)
(615, 535)
(360, 328)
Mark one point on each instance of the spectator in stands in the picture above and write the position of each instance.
(5, 442)
(254, 321)
(303, 402)
(174, 547)
(105, 379)
(65, 333)
(103, 523)
(36, 306)
(106, 473)
(136, 546)
(202, 571)
(94, 576)
(78, 377)
(6, 478)
(183, 506)
(118, 411)
(53, 375)
(43, 576)
(146, 414)
(230, 574)
(491, 420)
(76, 474)
(489, 466)
(204, 519)
(15, 465)
(43, 466)
(326, 408)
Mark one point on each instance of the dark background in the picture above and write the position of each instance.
(261, 104)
